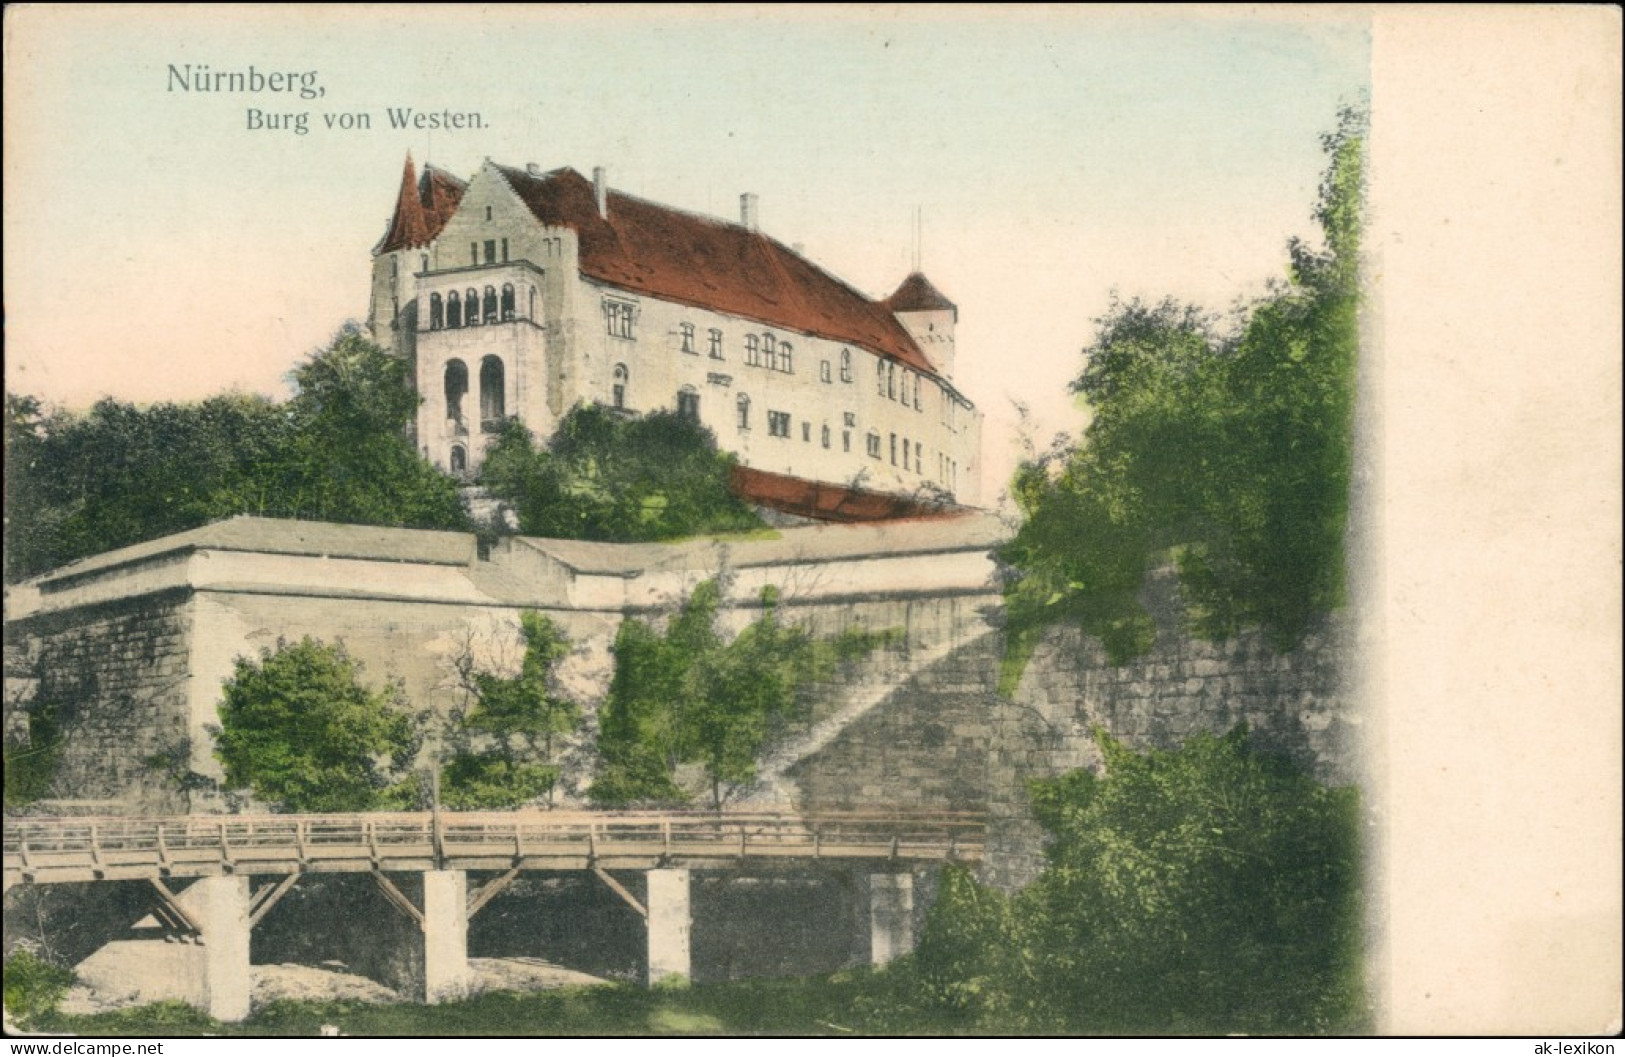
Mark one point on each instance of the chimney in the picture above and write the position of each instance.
(532, 169)
(747, 211)
(600, 191)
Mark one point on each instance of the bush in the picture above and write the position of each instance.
(606, 476)
(301, 731)
(33, 987)
(1208, 890)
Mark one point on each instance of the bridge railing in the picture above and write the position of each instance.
(110, 846)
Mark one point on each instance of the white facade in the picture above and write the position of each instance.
(547, 335)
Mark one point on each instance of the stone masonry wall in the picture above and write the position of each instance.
(1296, 703)
(116, 677)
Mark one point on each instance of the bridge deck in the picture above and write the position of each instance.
(45, 850)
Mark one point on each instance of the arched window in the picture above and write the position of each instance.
(753, 350)
(493, 402)
(743, 404)
(688, 403)
(770, 356)
(507, 301)
(456, 389)
(823, 371)
(437, 312)
(471, 307)
(846, 365)
(785, 363)
(454, 310)
(491, 304)
(459, 459)
(618, 391)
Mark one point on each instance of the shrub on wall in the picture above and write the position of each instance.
(300, 729)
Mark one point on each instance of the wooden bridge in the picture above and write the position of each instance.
(46, 850)
(213, 878)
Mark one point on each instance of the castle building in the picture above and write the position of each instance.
(523, 293)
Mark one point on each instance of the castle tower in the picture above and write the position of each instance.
(929, 318)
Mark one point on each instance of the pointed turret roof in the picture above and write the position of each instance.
(918, 295)
(422, 207)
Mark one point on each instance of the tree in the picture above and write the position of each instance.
(504, 740)
(1229, 452)
(1211, 888)
(690, 697)
(606, 476)
(346, 457)
(81, 484)
(116, 475)
(1205, 890)
(302, 731)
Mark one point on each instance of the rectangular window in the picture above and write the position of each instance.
(778, 423)
(806, 432)
(848, 418)
(687, 330)
(688, 406)
(716, 344)
(753, 350)
(618, 318)
(824, 374)
(846, 440)
(504, 251)
(874, 445)
(894, 449)
(490, 251)
(826, 436)
(474, 253)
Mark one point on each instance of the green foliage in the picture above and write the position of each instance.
(301, 730)
(78, 485)
(1213, 888)
(1208, 890)
(607, 476)
(1233, 452)
(689, 697)
(33, 987)
(30, 765)
(504, 740)
(344, 456)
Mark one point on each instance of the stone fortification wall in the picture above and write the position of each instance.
(110, 680)
(140, 642)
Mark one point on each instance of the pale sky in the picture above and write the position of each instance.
(158, 248)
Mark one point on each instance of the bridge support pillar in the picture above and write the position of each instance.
(891, 916)
(445, 935)
(669, 925)
(219, 907)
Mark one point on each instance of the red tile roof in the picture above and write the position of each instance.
(918, 295)
(678, 256)
(422, 207)
(832, 502)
